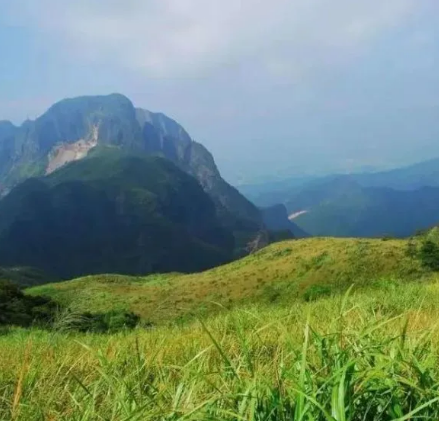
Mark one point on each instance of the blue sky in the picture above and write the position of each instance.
(271, 88)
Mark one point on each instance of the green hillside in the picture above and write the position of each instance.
(112, 212)
(295, 348)
(275, 336)
(281, 273)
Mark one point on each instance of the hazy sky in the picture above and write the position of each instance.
(272, 88)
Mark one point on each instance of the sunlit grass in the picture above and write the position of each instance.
(370, 355)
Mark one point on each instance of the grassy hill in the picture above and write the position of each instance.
(279, 274)
(371, 354)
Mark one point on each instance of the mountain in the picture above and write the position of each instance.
(342, 207)
(276, 219)
(70, 129)
(423, 174)
(271, 193)
(112, 212)
(416, 176)
(397, 202)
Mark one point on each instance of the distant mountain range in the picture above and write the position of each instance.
(396, 203)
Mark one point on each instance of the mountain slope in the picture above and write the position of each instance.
(162, 135)
(423, 174)
(70, 129)
(112, 212)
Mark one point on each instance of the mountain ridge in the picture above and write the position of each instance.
(395, 202)
(72, 127)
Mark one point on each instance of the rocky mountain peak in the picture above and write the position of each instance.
(71, 128)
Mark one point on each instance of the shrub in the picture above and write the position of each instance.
(411, 250)
(314, 292)
(110, 322)
(429, 255)
(18, 309)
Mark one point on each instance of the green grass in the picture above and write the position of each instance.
(294, 345)
(370, 355)
(303, 269)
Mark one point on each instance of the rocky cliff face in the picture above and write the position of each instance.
(73, 127)
(164, 136)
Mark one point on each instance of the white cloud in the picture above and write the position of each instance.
(173, 38)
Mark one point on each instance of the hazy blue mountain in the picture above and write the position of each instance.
(423, 174)
(342, 207)
(396, 202)
(70, 129)
(273, 192)
(25, 276)
(112, 212)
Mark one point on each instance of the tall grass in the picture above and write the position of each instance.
(370, 355)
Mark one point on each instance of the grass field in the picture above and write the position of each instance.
(280, 273)
(309, 351)
(371, 355)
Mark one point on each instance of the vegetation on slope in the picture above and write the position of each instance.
(18, 309)
(293, 346)
(372, 355)
(280, 274)
(25, 276)
(112, 212)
